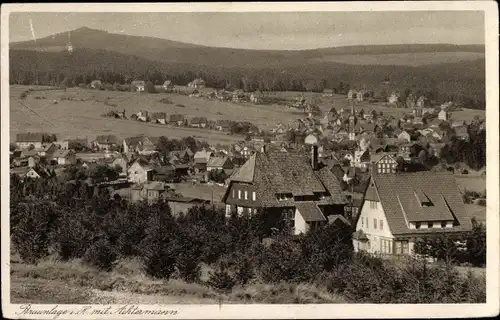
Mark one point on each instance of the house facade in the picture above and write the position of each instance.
(139, 173)
(158, 117)
(443, 115)
(404, 136)
(398, 209)
(199, 122)
(151, 192)
(64, 157)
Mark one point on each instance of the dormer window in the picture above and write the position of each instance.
(284, 196)
(422, 199)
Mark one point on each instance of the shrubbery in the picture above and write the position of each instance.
(101, 254)
(371, 280)
(100, 231)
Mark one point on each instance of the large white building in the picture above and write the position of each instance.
(399, 208)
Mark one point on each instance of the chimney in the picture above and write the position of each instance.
(314, 157)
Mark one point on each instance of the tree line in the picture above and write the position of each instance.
(462, 84)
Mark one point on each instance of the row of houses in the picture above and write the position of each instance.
(181, 120)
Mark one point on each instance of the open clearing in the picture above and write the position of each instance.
(403, 59)
(78, 113)
(81, 116)
(471, 183)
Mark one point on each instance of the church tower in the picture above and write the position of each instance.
(352, 123)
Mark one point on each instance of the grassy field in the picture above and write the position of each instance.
(403, 59)
(72, 282)
(78, 113)
(471, 183)
(81, 116)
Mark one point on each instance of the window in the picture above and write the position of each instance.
(234, 193)
(246, 195)
(253, 196)
(417, 225)
(362, 222)
(398, 247)
(239, 194)
(429, 224)
(381, 225)
(374, 223)
(443, 224)
(405, 247)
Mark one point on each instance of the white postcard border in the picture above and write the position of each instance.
(260, 311)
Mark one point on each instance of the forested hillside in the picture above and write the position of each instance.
(462, 81)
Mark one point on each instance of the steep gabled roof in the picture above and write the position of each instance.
(61, 153)
(309, 211)
(397, 193)
(332, 184)
(216, 161)
(246, 172)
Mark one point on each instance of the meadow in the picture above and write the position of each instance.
(77, 112)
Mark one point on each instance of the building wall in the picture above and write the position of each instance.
(300, 225)
(237, 193)
(137, 174)
(32, 174)
(369, 213)
(25, 145)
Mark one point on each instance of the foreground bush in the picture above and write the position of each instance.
(101, 255)
(371, 280)
(221, 279)
(31, 232)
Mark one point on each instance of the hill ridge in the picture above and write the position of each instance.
(349, 49)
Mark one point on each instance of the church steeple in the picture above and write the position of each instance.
(352, 123)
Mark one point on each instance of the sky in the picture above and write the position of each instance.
(271, 30)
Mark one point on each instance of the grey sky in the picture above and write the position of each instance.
(275, 30)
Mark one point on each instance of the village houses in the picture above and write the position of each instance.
(64, 157)
(105, 142)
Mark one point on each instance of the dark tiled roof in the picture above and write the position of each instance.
(400, 204)
(337, 217)
(107, 139)
(133, 142)
(176, 117)
(29, 137)
(158, 115)
(286, 172)
(216, 161)
(61, 153)
(332, 184)
(309, 211)
(198, 120)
